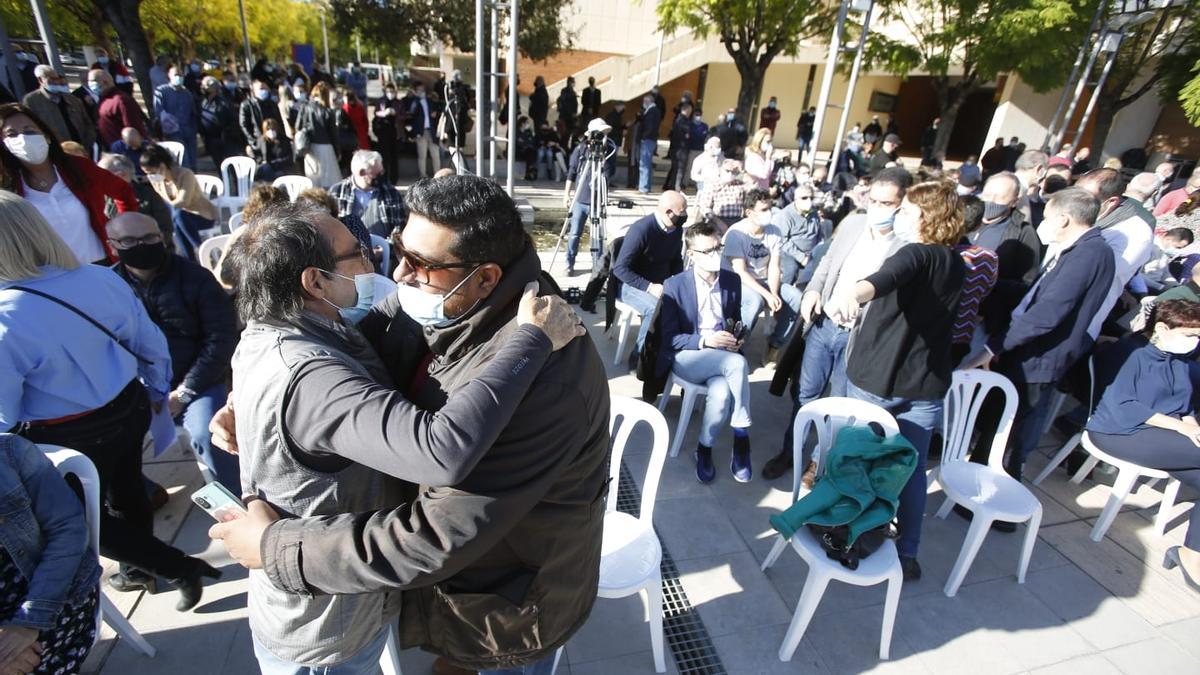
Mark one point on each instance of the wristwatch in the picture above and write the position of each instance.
(185, 395)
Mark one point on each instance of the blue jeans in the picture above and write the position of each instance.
(196, 417)
(645, 164)
(545, 156)
(785, 319)
(579, 218)
(789, 269)
(917, 420)
(543, 667)
(728, 378)
(187, 231)
(365, 662)
(824, 363)
(644, 304)
(190, 147)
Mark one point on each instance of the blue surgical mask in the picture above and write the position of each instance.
(262, 94)
(880, 217)
(177, 81)
(905, 229)
(102, 60)
(364, 284)
(427, 308)
(94, 87)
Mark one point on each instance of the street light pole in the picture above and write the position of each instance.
(325, 40)
(43, 24)
(245, 35)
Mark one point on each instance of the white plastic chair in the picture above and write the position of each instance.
(689, 392)
(987, 490)
(381, 242)
(175, 148)
(72, 462)
(621, 325)
(213, 188)
(631, 555)
(209, 253)
(293, 185)
(1127, 475)
(1068, 447)
(235, 221)
(237, 173)
(829, 416)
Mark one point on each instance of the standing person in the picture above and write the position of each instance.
(769, 117)
(590, 101)
(993, 160)
(760, 165)
(115, 69)
(64, 114)
(804, 130)
(317, 124)
(539, 102)
(176, 108)
(577, 196)
(116, 110)
(901, 359)
(873, 131)
(698, 309)
(1005, 231)
(71, 193)
(815, 361)
(218, 122)
(678, 148)
(888, 153)
(196, 315)
(567, 105)
(649, 255)
(422, 118)
(1147, 414)
(256, 109)
(191, 211)
(158, 72)
(275, 149)
(752, 250)
(388, 125)
(501, 533)
(354, 109)
(615, 119)
(101, 410)
(707, 165)
(648, 142)
(357, 81)
(929, 140)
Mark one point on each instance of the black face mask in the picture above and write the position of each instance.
(143, 256)
(679, 219)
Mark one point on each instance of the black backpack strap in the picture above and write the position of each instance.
(85, 317)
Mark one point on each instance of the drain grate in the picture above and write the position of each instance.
(693, 649)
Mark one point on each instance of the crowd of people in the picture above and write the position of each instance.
(434, 446)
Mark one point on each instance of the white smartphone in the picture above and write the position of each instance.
(219, 502)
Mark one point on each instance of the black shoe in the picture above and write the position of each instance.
(191, 587)
(132, 579)
(633, 359)
(705, 471)
(777, 465)
(912, 568)
(739, 463)
(1104, 474)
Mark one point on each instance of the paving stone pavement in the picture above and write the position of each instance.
(1085, 607)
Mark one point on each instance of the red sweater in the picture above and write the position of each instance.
(358, 117)
(95, 185)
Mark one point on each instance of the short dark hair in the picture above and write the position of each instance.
(972, 207)
(155, 156)
(485, 219)
(1181, 233)
(754, 196)
(1108, 182)
(270, 257)
(1175, 314)
(894, 175)
(1054, 183)
(703, 228)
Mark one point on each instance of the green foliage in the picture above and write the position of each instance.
(1189, 97)
(751, 29)
(70, 31)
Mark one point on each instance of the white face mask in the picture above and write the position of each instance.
(154, 177)
(1178, 343)
(761, 218)
(1047, 233)
(29, 148)
(707, 262)
(427, 308)
(905, 228)
(715, 151)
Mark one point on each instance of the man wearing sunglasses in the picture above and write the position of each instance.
(501, 568)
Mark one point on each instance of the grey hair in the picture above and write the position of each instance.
(1032, 159)
(44, 71)
(1012, 180)
(1080, 205)
(1143, 185)
(113, 163)
(365, 159)
(27, 241)
(281, 242)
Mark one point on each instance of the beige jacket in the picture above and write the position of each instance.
(184, 193)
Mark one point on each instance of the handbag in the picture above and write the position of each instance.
(833, 540)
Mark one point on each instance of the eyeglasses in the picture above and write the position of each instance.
(361, 252)
(716, 249)
(416, 262)
(130, 242)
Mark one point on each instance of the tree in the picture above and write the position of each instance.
(1189, 96)
(754, 32)
(964, 44)
(75, 22)
(125, 17)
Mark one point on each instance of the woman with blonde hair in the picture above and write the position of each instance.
(83, 366)
(316, 136)
(899, 355)
(759, 164)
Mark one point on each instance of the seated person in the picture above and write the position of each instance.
(700, 313)
(276, 151)
(1147, 415)
(802, 227)
(191, 211)
(752, 249)
(1172, 244)
(149, 202)
(131, 145)
(649, 255)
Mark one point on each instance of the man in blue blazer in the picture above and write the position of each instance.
(701, 332)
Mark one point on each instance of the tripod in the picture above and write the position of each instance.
(598, 152)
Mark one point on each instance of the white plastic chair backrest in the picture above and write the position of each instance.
(630, 412)
(175, 148)
(209, 253)
(71, 462)
(383, 288)
(382, 243)
(213, 188)
(968, 389)
(293, 185)
(238, 173)
(235, 221)
(829, 415)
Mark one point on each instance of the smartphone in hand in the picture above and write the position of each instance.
(219, 502)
